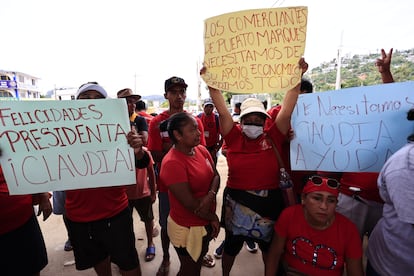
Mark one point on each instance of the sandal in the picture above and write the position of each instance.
(164, 268)
(208, 261)
(150, 253)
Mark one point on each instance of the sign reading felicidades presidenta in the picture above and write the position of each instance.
(255, 51)
(65, 145)
(351, 130)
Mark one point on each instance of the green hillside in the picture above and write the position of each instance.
(360, 70)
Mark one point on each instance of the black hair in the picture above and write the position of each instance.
(265, 104)
(237, 105)
(176, 122)
(410, 117)
(410, 114)
(306, 86)
(140, 105)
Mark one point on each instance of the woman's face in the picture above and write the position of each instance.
(190, 134)
(319, 207)
(256, 119)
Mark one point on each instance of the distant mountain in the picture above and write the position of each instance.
(159, 98)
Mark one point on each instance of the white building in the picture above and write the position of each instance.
(18, 85)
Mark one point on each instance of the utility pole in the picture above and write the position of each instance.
(338, 65)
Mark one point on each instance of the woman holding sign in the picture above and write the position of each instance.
(253, 176)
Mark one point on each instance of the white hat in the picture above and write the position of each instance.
(207, 102)
(89, 87)
(252, 105)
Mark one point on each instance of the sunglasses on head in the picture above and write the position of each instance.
(331, 182)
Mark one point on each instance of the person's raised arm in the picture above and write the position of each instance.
(384, 66)
(226, 121)
(289, 101)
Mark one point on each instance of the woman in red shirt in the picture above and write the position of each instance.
(189, 173)
(312, 238)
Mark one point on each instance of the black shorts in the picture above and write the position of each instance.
(143, 207)
(95, 241)
(23, 250)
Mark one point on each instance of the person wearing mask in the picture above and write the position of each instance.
(159, 144)
(189, 173)
(98, 219)
(252, 190)
(311, 238)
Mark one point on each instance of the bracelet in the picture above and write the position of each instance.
(213, 192)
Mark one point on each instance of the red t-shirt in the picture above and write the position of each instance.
(85, 205)
(197, 171)
(158, 140)
(148, 117)
(252, 164)
(15, 210)
(312, 251)
(142, 188)
(366, 181)
(211, 131)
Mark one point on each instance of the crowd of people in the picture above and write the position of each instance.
(176, 157)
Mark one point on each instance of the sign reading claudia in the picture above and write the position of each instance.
(61, 145)
(351, 130)
(255, 51)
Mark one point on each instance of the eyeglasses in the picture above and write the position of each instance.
(331, 182)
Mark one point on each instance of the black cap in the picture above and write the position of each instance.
(174, 81)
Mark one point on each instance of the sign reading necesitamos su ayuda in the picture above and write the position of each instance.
(351, 130)
(64, 145)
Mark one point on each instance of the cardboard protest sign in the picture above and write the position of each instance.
(63, 145)
(255, 51)
(351, 130)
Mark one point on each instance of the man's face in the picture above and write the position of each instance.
(131, 105)
(176, 97)
(208, 109)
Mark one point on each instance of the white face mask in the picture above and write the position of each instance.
(252, 131)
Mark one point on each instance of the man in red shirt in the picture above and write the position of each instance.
(211, 125)
(159, 144)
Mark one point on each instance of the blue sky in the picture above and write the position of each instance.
(139, 44)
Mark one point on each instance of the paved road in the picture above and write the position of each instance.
(55, 236)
